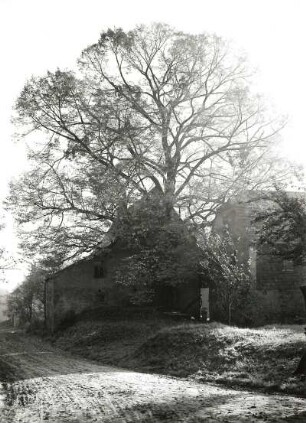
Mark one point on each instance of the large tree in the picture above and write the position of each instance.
(148, 108)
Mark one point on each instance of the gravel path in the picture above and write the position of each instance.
(42, 384)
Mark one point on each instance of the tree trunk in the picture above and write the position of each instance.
(301, 368)
(229, 313)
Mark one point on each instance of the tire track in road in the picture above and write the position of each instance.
(47, 385)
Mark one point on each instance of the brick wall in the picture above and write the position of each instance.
(277, 281)
(78, 287)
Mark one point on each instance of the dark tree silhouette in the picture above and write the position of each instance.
(283, 230)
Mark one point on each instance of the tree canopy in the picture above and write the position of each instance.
(27, 300)
(283, 232)
(282, 228)
(149, 108)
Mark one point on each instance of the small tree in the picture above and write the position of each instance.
(27, 300)
(231, 278)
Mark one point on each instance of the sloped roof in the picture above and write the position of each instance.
(112, 236)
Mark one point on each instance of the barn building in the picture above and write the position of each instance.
(93, 282)
(277, 281)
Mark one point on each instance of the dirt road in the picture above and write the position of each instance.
(42, 384)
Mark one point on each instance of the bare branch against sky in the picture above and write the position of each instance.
(36, 36)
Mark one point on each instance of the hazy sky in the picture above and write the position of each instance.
(40, 35)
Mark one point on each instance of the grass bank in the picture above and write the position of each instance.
(262, 358)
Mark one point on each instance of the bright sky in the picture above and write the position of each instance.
(40, 35)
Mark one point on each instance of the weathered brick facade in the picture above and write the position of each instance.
(277, 281)
(85, 284)
(91, 283)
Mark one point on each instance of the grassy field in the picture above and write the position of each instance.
(262, 358)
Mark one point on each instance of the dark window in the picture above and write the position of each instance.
(101, 296)
(288, 266)
(98, 271)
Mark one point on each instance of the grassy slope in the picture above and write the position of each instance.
(257, 358)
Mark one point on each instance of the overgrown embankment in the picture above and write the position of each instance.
(255, 358)
(47, 385)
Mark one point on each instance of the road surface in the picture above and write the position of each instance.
(41, 384)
